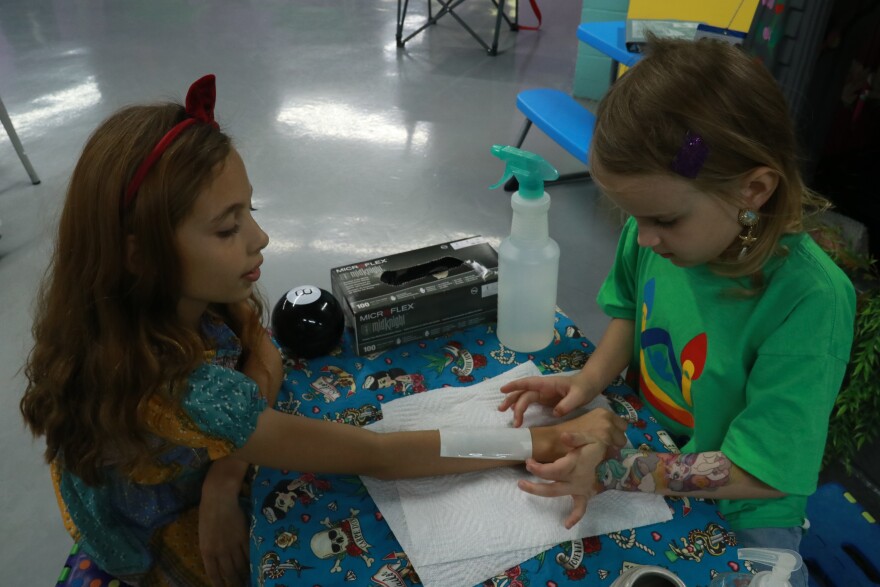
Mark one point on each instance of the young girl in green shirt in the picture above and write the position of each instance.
(735, 327)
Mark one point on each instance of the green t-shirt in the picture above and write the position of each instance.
(754, 376)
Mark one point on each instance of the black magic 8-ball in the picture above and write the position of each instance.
(307, 321)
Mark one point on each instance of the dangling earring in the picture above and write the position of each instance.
(748, 219)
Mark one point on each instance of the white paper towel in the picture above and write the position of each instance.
(463, 529)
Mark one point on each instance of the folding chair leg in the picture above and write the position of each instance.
(523, 133)
(570, 177)
(500, 7)
(401, 17)
(513, 24)
(511, 185)
(449, 8)
(16, 143)
(402, 5)
(615, 66)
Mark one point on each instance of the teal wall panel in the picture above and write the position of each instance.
(592, 68)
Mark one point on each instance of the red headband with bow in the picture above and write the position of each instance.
(199, 108)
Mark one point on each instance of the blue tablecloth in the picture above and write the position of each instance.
(291, 509)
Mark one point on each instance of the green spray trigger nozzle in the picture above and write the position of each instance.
(530, 170)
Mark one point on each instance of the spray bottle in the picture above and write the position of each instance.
(783, 562)
(528, 260)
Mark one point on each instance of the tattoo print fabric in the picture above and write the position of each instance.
(325, 530)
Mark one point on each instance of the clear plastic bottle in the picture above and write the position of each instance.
(783, 562)
(528, 260)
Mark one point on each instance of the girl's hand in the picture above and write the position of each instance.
(565, 392)
(223, 539)
(574, 474)
(600, 425)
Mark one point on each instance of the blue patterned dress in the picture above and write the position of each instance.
(143, 527)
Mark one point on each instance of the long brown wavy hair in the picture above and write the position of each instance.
(719, 92)
(106, 339)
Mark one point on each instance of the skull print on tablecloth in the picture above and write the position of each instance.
(341, 539)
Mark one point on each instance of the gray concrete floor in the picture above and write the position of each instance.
(356, 148)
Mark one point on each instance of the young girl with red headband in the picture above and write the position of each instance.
(734, 325)
(151, 372)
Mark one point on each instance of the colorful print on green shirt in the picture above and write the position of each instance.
(659, 366)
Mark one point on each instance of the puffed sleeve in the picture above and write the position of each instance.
(617, 296)
(780, 436)
(218, 411)
(224, 402)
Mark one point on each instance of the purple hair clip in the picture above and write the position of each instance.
(691, 156)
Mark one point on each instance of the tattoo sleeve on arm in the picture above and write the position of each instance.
(652, 472)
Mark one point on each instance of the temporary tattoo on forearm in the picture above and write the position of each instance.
(652, 472)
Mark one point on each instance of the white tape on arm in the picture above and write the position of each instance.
(514, 444)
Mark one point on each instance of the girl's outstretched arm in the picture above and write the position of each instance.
(709, 475)
(285, 441)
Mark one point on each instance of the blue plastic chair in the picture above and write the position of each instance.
(561, 118)
(559, 115)
(609, 38)
(842, 546)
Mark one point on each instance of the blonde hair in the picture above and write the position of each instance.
(106, 340)
(714, 90)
